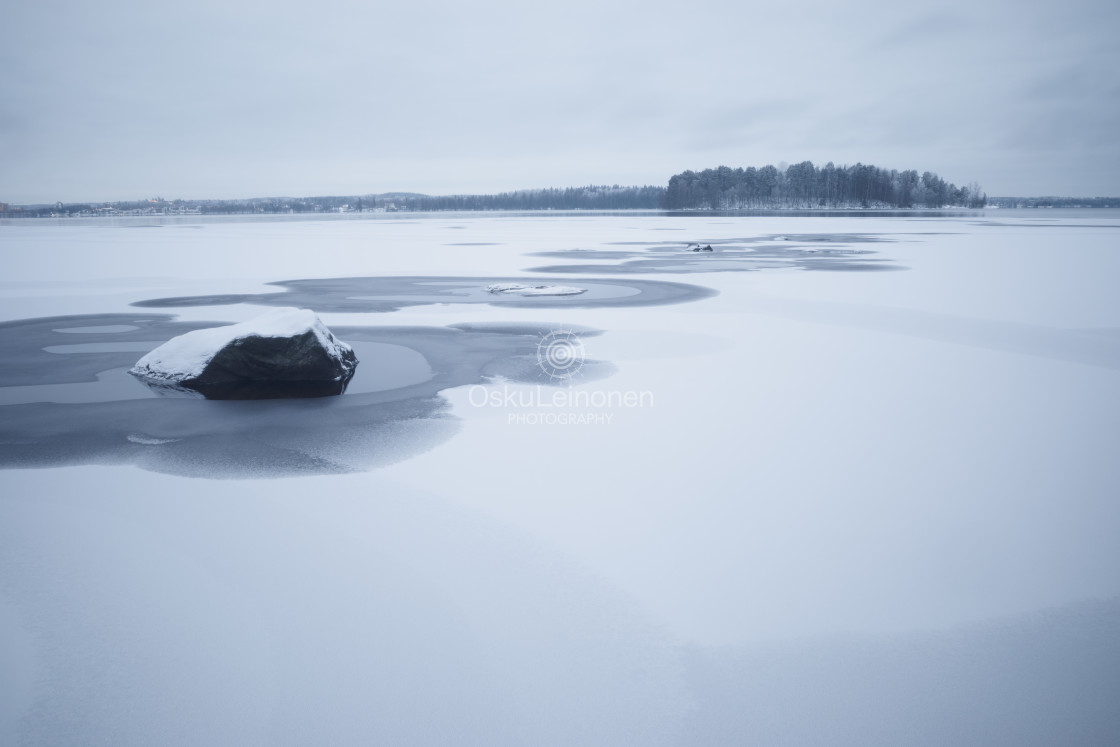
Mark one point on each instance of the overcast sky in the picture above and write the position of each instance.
(132, 100)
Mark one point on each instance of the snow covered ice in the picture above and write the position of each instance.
(864, 507)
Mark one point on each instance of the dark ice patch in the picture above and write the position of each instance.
(383, 294)
(827, 252)
(84, 408)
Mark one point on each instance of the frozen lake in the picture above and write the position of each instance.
(840, 480)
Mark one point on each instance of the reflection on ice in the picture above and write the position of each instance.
(102, 330)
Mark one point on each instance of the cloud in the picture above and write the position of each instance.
(214, 99)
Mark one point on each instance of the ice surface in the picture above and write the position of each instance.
(865, 507)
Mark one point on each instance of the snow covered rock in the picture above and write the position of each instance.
(285, 353)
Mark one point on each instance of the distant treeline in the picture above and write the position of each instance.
(802, 186)
(573, 198)
(806, 186)
(1055, 202)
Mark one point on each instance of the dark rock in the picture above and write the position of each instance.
(286, 353)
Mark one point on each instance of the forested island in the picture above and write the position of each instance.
(802, 186)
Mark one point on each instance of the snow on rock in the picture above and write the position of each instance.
(517, 289)
(287, 352)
